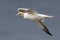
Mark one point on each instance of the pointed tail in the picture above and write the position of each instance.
(49, 16)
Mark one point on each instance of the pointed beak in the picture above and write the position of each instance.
(18, 14)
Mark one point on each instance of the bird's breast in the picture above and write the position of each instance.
(30, 17)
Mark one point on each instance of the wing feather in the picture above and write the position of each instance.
(43, 27)
(30, 11)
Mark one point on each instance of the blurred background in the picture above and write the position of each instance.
(16, 28)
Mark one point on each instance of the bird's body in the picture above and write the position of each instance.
(31, 17)
(34, 16)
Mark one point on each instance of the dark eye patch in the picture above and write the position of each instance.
(22, 10)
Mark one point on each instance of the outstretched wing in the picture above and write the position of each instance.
(43, 27)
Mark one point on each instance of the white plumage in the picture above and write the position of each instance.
(31, 14)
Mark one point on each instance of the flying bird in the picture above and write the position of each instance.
(33, 15)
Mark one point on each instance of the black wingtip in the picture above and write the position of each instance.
(47, 31)
(50, 34)
(44, 28)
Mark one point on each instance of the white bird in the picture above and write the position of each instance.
(33, 15)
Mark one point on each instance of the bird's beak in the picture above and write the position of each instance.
(18, 14)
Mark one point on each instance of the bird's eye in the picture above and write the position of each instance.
(20, 13)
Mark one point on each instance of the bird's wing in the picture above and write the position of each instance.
(43, 27)
(30, 11)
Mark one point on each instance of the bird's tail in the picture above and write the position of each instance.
(49, 16)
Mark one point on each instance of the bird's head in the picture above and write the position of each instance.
(22, 11)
